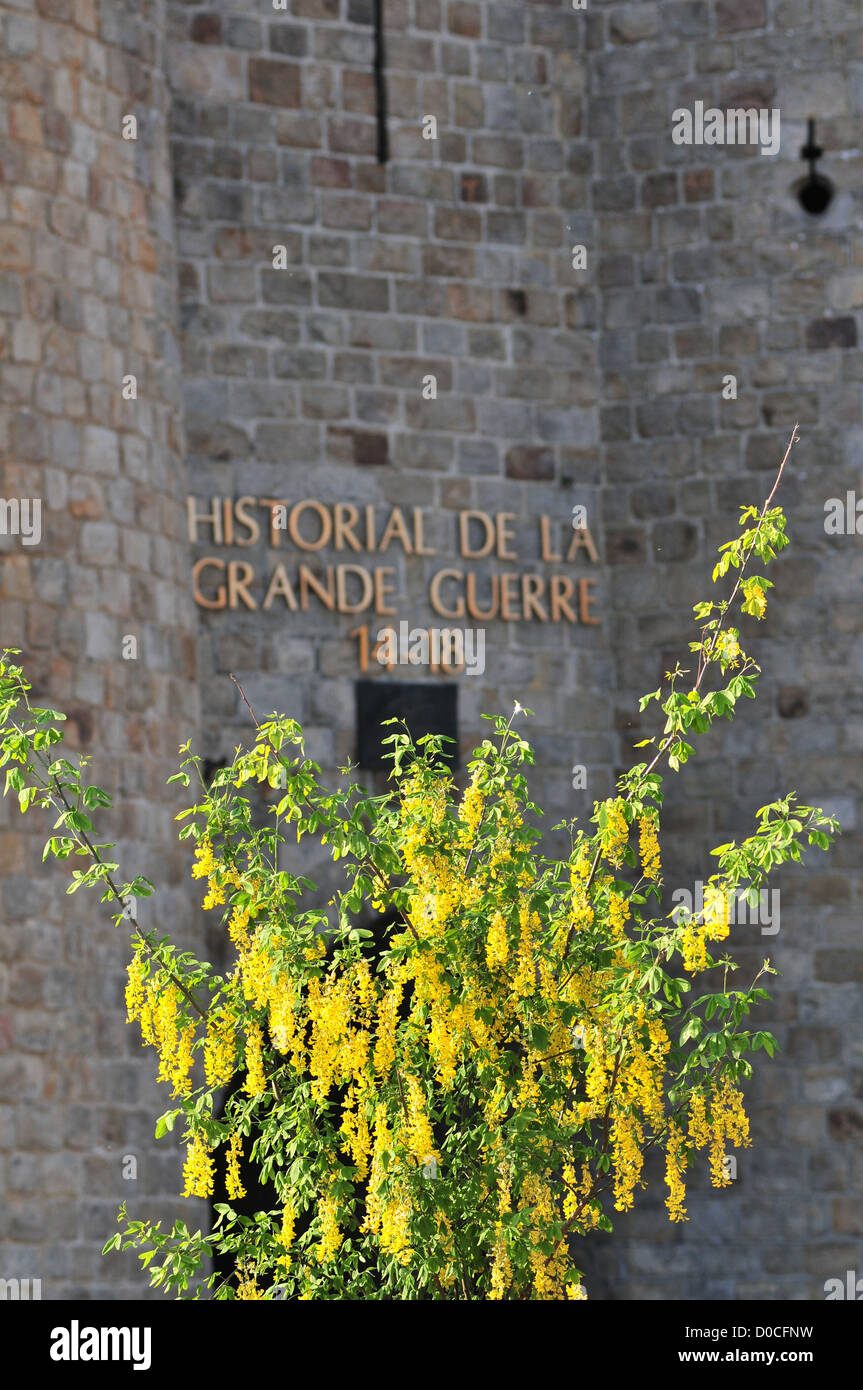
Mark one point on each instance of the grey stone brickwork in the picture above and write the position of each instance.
(87, 276)
(556, 386)
(711, 267)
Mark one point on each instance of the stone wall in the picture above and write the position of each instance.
(87, 277)
(709, 267)
(602, 386)
(556, 385)
(453, 259)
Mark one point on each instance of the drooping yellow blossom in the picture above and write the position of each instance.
(582, 910)
(470, 813)
(497, 942)
(570, 1197)
(395, 1227)
(233, 1181)
(205, 859)
(329, 1005)
(198, 1170)
(330, 1235)
(699, 1129)
(648, 846)
(238, 923)
(627, 1157)
(173, 1038)
(582, 866)
(286, 1234)
(364, 987)
(549, 1272)
(387, 1214)
(618, 914)
(693, 947)
(355, 1128)
(382, 1144)
(615, 837)
(388, 1019)
(219, 1048)
(711, 924)
(420, 1140)
(247, 1283)
(215, 897)
(730, 1125)
(716, 912)
(256, 1081)
(256, 968)
(524, 982)
(576, 1291)
(136, 987)
(442, 1040)
(286, 1024)
(675, 1163)
(501, 1269)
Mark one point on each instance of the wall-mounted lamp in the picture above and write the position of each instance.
(815, 193)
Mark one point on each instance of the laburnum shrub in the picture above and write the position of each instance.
(444, 1106)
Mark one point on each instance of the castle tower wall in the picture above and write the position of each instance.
(87, 269)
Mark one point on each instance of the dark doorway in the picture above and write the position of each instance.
(426, 709)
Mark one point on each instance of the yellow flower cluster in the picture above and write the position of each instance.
(470, 813)
(420, 1140)
(550, 1272)
(247, 1282)
(215, 897)
(395, 1236)
(577, 1198)
(727, 1124)
(219, 1047)
(205, 867)
(388, 1216)
(388, 1017)
(675, 1163)
(648, 846)
(497, 942)
(618, 914)
(174, 1040)
(233, 1181)
(330, 1235)
(136, 989)
(206, 861)
(713, 926)
(156, 1002)
(615, 837)
(355, 1128)
(624, 1085)
(501, 1269)
(286, 1026)
(524, 982)
(693, 948)
(198, 1170)
(338, 1051)
(256, 1082)
(286, 1234)
(627, 1156)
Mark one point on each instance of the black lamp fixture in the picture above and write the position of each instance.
(815, 193)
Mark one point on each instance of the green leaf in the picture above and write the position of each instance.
(166, 1122)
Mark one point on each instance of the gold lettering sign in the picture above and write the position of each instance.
(544, 592)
